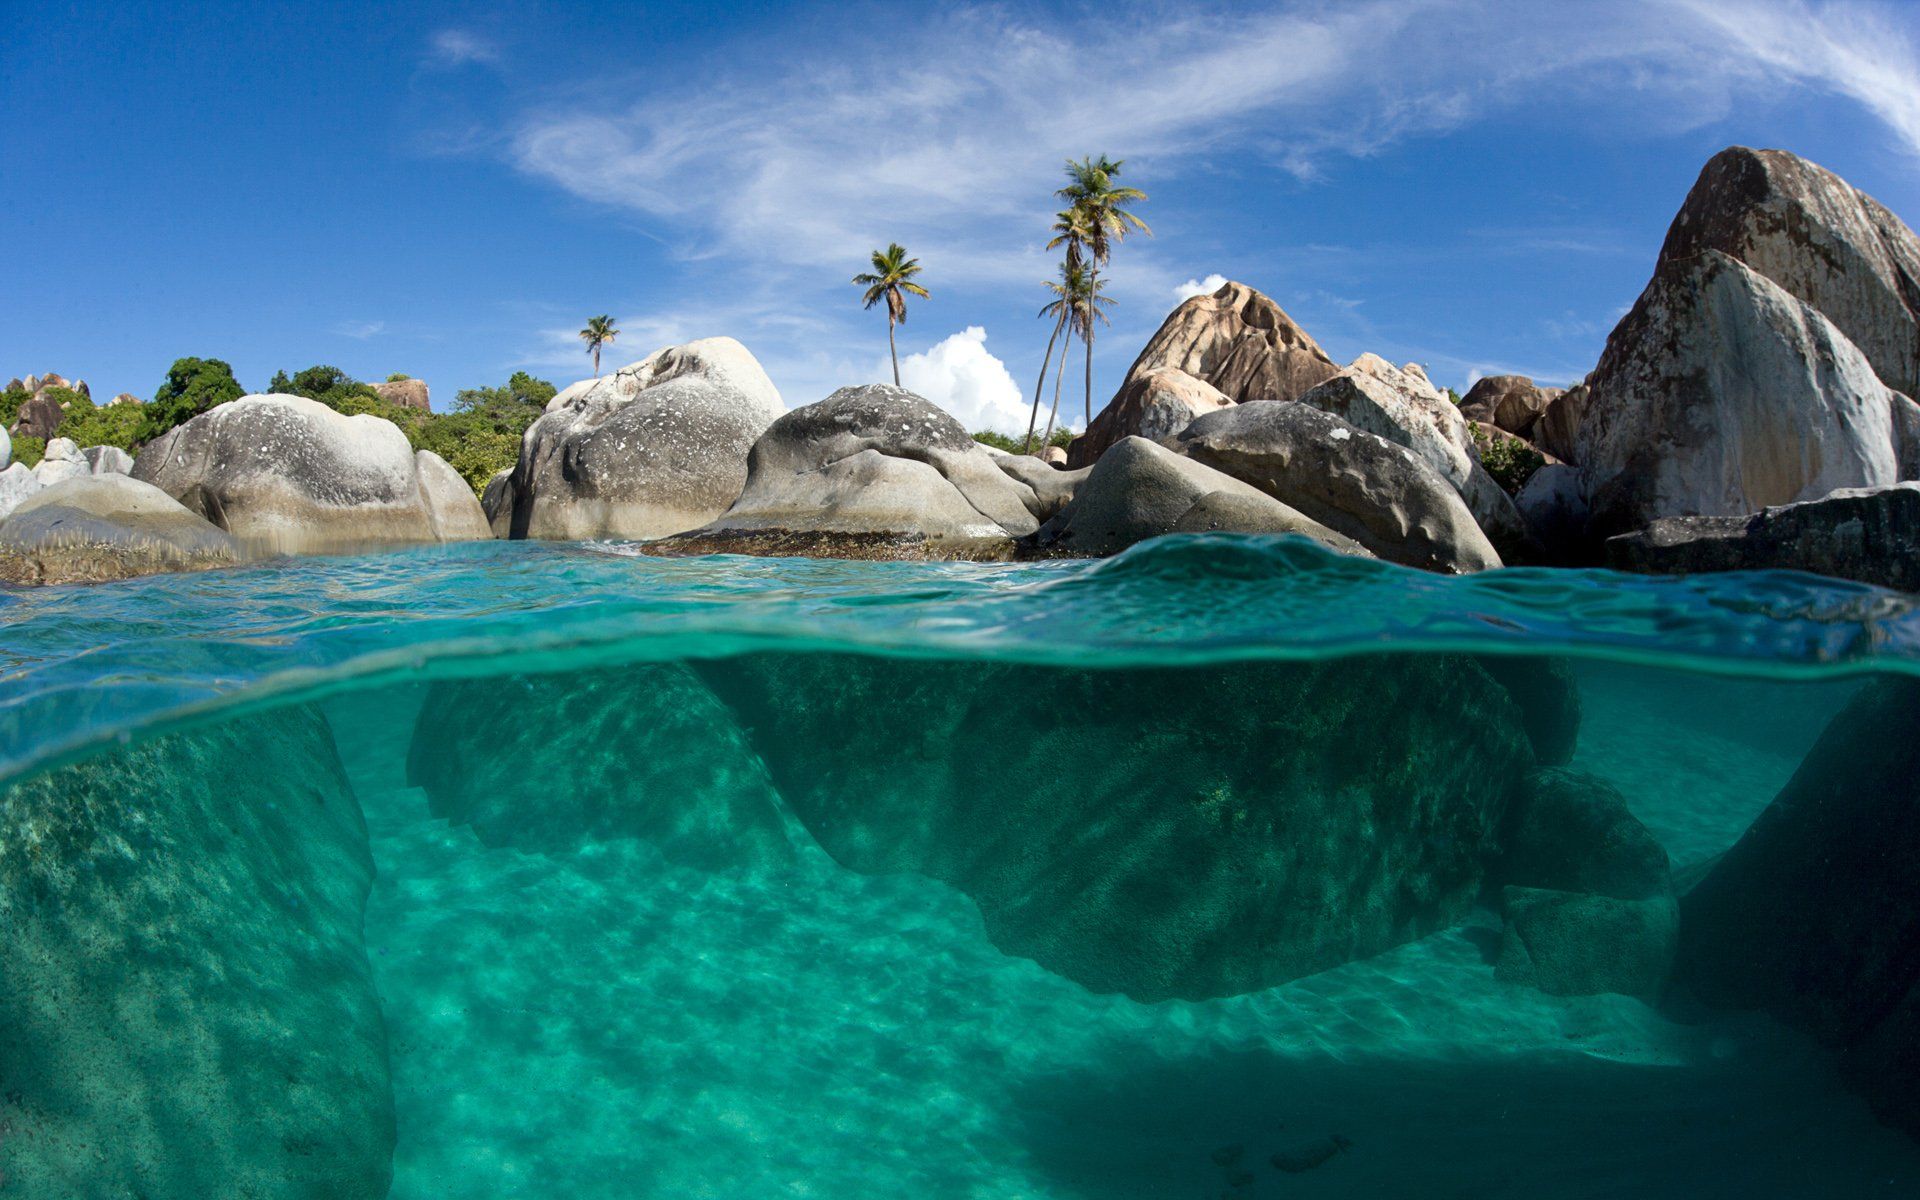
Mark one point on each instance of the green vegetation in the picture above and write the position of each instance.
(398, 377)
(891, 277)
(10, 402)
(193, 386)
(329, 385)
(89, 424)
(1012, 445)
(1509, 460)
(28, 451)
(599, 331)
(1453, 396)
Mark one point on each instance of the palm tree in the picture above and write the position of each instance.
(599, 331)
(1070, 229)
(1083, 296)
(1091, 189)
(892, 274)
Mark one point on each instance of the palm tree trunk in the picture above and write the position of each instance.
(1039, 385)
(1059, 373)
(1093, 298)
(892, 351)
(596, 362)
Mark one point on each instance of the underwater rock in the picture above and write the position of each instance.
(1188, 833)
(1356, 483)
(1314, 1154)
(96, 528)
(1870, 535)
(289, 474)
(186, 1009)
(869, 472)
(1141, 489)
(1572, 832)
(1814, 914)
(553, 762)
(1583, 944)
(1548, 693)
(653, 449)
(1154, 403)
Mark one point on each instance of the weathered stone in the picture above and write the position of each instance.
(1568, 831)
(1054, 455)
(1557, 429)
(1821, 239)
(1871, 535)
(496, 503)
(407, 393)
(1155, 403)
(1140, 489)
(656, 448)
(17, 482)
(1721, 394)
(108, 460)
(1581, 944)
(1355, 483)
(61, 461)
(1052, 487)
(1555, 510)
(1509, 402)
(869, 472)
(1814, 914)
(39, 417)
(186, 1008)
(125, 398)
(6, 449)
(1239, 342)
(288, 474)
(94, 528)
(1548, 694)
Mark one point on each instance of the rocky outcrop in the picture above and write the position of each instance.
(1822, 240)
(1509, 402)
(186, 1008)
(869, 472)
(108, 460)
(125, 398)
(1721, 394)
(653, 449)
(1871, 535)
(1355, 483)
(1814, 915)
(496, 503)
(288, 474)
(39, 417)
(1140, 489)
(1240, 343)
(94, 528)
(1154, 403)
(1052, 487)
(407, 393)
(60, 461)
(1556, 432)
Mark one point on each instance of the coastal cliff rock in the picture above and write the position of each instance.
(1355, 483)
(1155, 403)
(869, 472)
(1814, 914)
(94, 528)
(289, 474)
(1721, 394)
(1140, 489)
(407, 393)
(1871, 535)
(186, 1009)
(1822, 240)
(656, 448)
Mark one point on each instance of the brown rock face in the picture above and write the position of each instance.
(1818, 237)
(1510, 402)
(407, 393)
(1240, 342)
(1155, 403)
(1554, 431)
(39, 417)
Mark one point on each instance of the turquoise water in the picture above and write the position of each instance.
(727, 877)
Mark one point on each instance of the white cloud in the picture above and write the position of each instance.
(961, 376)
(459, 47)
(359, 329)
(1199, 287)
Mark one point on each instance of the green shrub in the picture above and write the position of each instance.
(398, 377)
(193, 386)
(10, 402)
(28, 451)
(1509, 460)
(1012, 445)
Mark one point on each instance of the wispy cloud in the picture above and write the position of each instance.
(460, 47)
(359, 329)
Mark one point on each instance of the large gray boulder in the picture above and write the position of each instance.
(39, 417)
(186, 1008)
(17, 482)
(1721, 394)
(6, 449)
(1871, 535)
(1052, 486)
(1155, 403)
(496, 503)
(870, 472)
(653, 449)
(290, 475)
(1822, 240)
(1555, 510)
(1814, 914)
(1355, 483)
(108, 460)
(94, 528)
(60, 461)
(1140, 489)
(1240, 343)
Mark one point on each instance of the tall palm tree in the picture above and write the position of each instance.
(1091, 189)
(599, 331)
(891, 276)
(1084, 298)
(1070, 229)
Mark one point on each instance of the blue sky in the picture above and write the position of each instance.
(450, 190)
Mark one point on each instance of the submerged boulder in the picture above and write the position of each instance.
(1721, 394)
(1238, 342)
(1583, 944)
(1870, 535)
(1191, 832)
(289, 474)
(1356, 483)
(869, 472)
(1814, 914)
(95, 528)
(656, 448)
(186, 1008)
(1569, 831)
(1140, 489)
(1155, 403)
